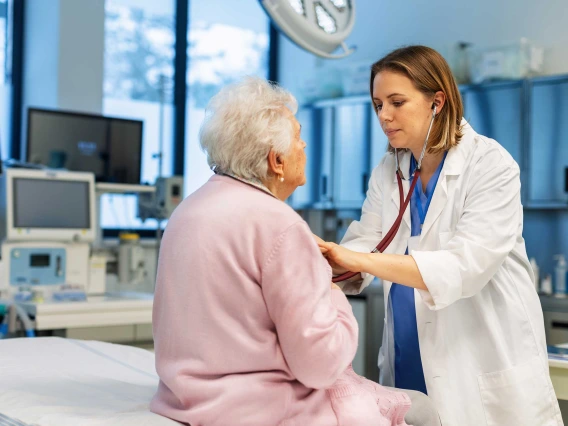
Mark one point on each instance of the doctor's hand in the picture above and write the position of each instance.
(347, 259)
(318, 240)
(335, 268)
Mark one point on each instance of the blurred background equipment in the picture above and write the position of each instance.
(131, 259)
(47, 222)
(47, 205)
(109, 147)
(161, 203)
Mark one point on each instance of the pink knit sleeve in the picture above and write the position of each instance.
(316, 327)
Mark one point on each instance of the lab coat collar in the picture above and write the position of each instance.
(455, 159)
(453, 166)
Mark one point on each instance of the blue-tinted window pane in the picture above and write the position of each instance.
(226, 42)
(5, 86)
(138, 84)
(3, 28)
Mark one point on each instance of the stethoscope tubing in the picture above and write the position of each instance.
(389, 237)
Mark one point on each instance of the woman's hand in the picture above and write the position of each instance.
(347, 259)
(335, 268)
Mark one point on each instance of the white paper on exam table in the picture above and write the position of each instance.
(50, 381)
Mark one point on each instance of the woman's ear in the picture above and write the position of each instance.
(275, 164)
(439, 101)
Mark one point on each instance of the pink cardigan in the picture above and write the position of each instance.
(247, 330)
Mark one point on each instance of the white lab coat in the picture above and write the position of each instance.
(480, 326)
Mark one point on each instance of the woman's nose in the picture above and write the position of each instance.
(385, 114)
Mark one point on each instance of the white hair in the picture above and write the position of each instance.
(242, 123)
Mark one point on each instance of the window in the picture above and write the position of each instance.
(3, 37)
(225, 43)
(138, 84)
(5, 74)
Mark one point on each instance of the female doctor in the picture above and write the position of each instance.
(464, 323)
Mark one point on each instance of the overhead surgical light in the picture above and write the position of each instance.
(319, 26)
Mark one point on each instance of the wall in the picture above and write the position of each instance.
(382, 25)
(81, 55)
(63, 56)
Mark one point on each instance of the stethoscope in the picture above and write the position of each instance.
(387, 239)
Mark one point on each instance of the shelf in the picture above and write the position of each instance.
(547, 79)
(491, 84)
(342, 100)
(120, 188)
(546, 205)
(553, 304)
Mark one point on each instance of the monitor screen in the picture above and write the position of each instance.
(111, 148)
(44, 203)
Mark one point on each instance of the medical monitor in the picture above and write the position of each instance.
(109, 147)
(41, 205)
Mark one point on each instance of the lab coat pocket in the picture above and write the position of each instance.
(517, 396)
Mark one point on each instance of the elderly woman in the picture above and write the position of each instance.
(248, 328)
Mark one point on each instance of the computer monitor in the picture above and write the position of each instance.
(109, 147)
(41, 205)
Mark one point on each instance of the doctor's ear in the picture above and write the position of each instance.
(434, 109)
(438, 102)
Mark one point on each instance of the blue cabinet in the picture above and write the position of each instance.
(548, 144)
(496, 110)
(303, 196)
(379, 142)
(325, 118)
(318, 133)
(337, 133)
(351, 154)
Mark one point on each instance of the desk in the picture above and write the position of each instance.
(559, 376)
(96, 311)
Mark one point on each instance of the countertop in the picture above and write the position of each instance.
(554, 304)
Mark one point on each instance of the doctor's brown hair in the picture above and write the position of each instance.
(430, 73)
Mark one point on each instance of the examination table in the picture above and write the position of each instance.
(51, 381)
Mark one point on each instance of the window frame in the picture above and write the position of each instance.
(17, 10)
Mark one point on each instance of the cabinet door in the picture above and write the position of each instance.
(324, 122)
(305, 196)
(379, 142)
(496, 111)
(351, 154)
(548, 144)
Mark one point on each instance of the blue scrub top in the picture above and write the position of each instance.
(408, 373)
